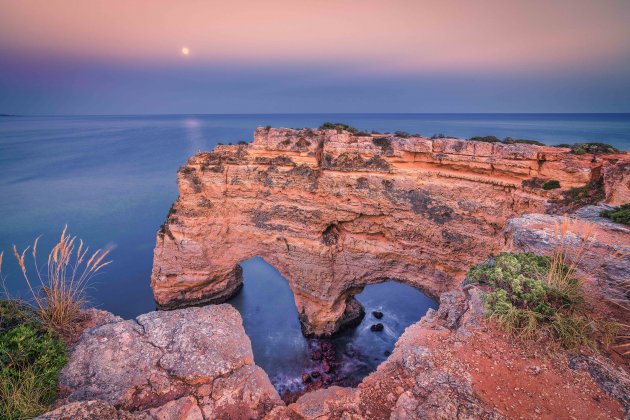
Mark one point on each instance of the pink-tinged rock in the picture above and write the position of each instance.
(161, 358)
(617, 181)
(351, 212)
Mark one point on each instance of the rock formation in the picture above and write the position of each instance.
(334, 211)
(189, 363)
(195, 363)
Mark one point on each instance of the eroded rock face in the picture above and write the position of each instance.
(334, 212)
(189, 361)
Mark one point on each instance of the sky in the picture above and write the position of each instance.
(293, 56)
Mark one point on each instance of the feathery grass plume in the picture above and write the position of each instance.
(566, 256)
(60, 294)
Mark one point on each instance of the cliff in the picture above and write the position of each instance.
(334, 211)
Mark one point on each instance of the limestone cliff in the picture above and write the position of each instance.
(334, 211)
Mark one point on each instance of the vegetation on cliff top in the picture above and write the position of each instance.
(507, 140)
(619, 214)
(534, 297)
(32, 335)
(593, 147)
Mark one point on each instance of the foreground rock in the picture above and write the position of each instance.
(178, 364)
(453, 364)
(196, 363)
(336, 211)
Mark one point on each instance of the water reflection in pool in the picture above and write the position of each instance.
(271, 321)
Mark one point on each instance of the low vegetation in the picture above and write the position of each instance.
(591, 193)
(506, 140)
(31, 357)
(551, 185)
(619, 214)
(339, 127)
(539, 297)
(32, 335)
(486, 139)
(593, 147)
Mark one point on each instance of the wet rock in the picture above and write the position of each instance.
(377, 327)
(377, 314)
(306, 378)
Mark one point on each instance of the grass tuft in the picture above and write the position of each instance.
(619, 214)
(58, 288)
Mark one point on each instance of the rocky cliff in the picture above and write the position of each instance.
(334, 211)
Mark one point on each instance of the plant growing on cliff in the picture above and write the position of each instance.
(339, 127)
(594, 147)
(486, 139)
(534, 296)
(31, 357)
(619, 214)
(58, 287)
(551, 185)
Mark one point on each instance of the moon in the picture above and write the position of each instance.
(185, 51)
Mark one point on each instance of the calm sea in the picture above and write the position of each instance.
(112, 178)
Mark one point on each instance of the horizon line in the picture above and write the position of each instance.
(313, 113)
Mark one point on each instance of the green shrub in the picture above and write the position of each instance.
(30, 360)
(593, 147)
(339, 127)
(526, 304)
(510, 140)
(591, 193)
(486, 139)
(439, 136)
(619, 214)
(402, 134)
(551, 185)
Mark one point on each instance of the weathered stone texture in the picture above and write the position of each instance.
(335, 211)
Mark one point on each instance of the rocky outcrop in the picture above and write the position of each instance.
(195, 363)
(188, 363)
(605, 260)
(334, 211)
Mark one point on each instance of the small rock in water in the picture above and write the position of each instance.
(377, 327)
(315, 374)
(377, 314)
(387, 352)
(306, 378)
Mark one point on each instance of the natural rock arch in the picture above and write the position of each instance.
(334, 212)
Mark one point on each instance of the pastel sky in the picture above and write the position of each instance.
(125, 57)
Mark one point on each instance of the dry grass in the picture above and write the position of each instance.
(567, 256)
(58, 287)
(565, 260)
